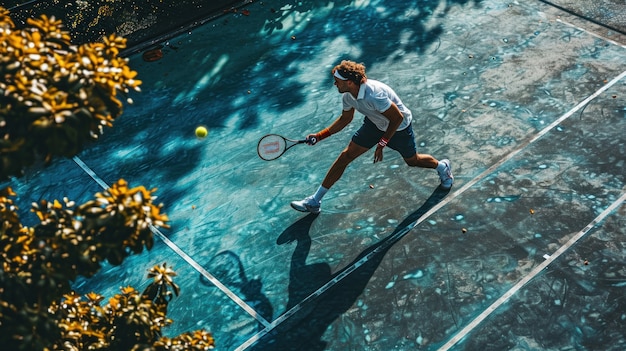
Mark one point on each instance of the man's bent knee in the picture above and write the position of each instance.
(412, 161)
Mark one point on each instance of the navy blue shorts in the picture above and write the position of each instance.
(402, 141)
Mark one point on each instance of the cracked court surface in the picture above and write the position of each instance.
(526, 252)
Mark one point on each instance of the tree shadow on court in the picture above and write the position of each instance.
(310, 317)
(269, 79)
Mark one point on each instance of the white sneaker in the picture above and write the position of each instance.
(447, 179)
(307, 205)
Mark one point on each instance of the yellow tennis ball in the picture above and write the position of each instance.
(202, 132)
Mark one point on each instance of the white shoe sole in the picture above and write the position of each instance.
(304, 208)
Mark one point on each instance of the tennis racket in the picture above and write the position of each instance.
(272, 146)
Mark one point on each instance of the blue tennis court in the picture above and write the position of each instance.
(525, 252)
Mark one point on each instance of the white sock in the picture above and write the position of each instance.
(319, 194)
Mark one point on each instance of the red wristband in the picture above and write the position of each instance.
(383, 142)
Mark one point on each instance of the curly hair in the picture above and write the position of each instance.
(353, 71)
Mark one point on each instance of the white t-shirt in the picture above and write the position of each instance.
(373, 99)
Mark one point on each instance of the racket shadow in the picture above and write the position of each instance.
(304, 330)
(226, 266)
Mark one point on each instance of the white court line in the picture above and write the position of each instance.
(182, 254)
(507, 295)
(434, 209)
(592, 33)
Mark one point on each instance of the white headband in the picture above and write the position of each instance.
(336, 74)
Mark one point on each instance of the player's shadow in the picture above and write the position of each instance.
(304, 329)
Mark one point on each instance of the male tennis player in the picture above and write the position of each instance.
(387, 123)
